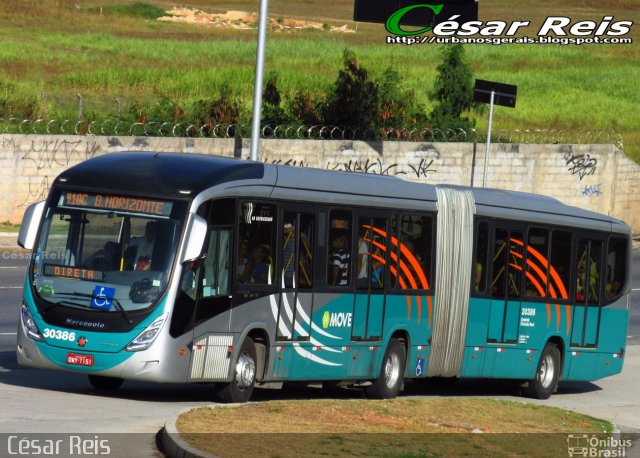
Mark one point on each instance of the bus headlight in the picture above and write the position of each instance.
(29, 325)
(146, 337)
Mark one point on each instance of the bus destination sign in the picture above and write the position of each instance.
(116, 203)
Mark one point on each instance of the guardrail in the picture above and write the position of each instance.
(110, 127)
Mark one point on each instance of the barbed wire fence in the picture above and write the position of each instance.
(116, 127)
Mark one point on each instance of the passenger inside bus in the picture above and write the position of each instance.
(141, 248)
(243, 269)
(105, 259)
(261, 268)
(339, 261)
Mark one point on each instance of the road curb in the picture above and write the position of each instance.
(174, 446)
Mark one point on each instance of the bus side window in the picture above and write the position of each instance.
(479, 271)
(410, 249)
(500, 252)
(371, 253)
(616, 273)
(216, 265)
(257, 237)
(215, 280)
(339, 249)
(507, 264)
(588, 277)
(297, 249)
(559, 269)
(537, 264)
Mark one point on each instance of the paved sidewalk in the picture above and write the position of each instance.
(9, 241)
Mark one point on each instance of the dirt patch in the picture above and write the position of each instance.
(239, 20)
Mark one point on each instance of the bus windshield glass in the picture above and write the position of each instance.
(106, 252)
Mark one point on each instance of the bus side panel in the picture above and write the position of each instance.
(477, 320)
(592, 364)
(536, 324)
(580, 365)
(327, 354)
(413, 315)
(613, 329)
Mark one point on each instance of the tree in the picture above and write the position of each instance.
(355, 97)
(398, 107)
(272, 112)
(453, 90)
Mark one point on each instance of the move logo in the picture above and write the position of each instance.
(336, 320)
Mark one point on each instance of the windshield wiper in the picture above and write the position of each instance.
(57, 304)
(119, 306)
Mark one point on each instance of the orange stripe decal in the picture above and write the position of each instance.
(548, 315)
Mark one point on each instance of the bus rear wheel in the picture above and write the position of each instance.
(389, 382)
(545, 382)
(244, 376)
(105, 383)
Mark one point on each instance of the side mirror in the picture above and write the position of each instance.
(30, 224)
(196, 235)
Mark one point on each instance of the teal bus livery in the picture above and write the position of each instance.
(185, 268)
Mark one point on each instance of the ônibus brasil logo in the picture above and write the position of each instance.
(554, 30)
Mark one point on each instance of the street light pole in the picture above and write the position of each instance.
(257, 91)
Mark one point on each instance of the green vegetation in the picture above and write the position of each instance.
(143, 10)
(6, 226)
(105, 50)
(391, 428)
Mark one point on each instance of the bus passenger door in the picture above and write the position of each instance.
(504, 315)
(296, 275)
(370, 267)
(586, 316)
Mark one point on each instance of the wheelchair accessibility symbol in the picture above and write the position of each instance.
(420, 366)
(102, 298)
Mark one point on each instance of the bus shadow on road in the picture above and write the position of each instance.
(14, 375)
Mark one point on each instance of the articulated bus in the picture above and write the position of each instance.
(185, 268)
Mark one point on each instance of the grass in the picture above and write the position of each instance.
(52, 50)
(6, 226)
(400, 427)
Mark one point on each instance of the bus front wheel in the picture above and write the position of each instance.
(389, 382)
(547, 373)
(244, 376)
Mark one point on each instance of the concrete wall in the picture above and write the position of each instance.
(595, 177)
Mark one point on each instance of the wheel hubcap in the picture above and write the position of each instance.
(546, 372)
(392, 371)
(245, 371)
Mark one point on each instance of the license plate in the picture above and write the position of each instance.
(79, 360)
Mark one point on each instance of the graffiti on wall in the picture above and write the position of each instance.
(423, 168)
(38, 188)
(581, 164)
(45, 153)
(376, 167)
(592, 190)
(291, 162)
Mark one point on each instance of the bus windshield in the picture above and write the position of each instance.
(105, 252)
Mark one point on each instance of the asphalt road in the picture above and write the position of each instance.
(38, 401)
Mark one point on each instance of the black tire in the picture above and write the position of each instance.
(389, 382)
(105, 383)
(545, 382)
(244, 376)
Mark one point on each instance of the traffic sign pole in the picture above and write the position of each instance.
(488, 142)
